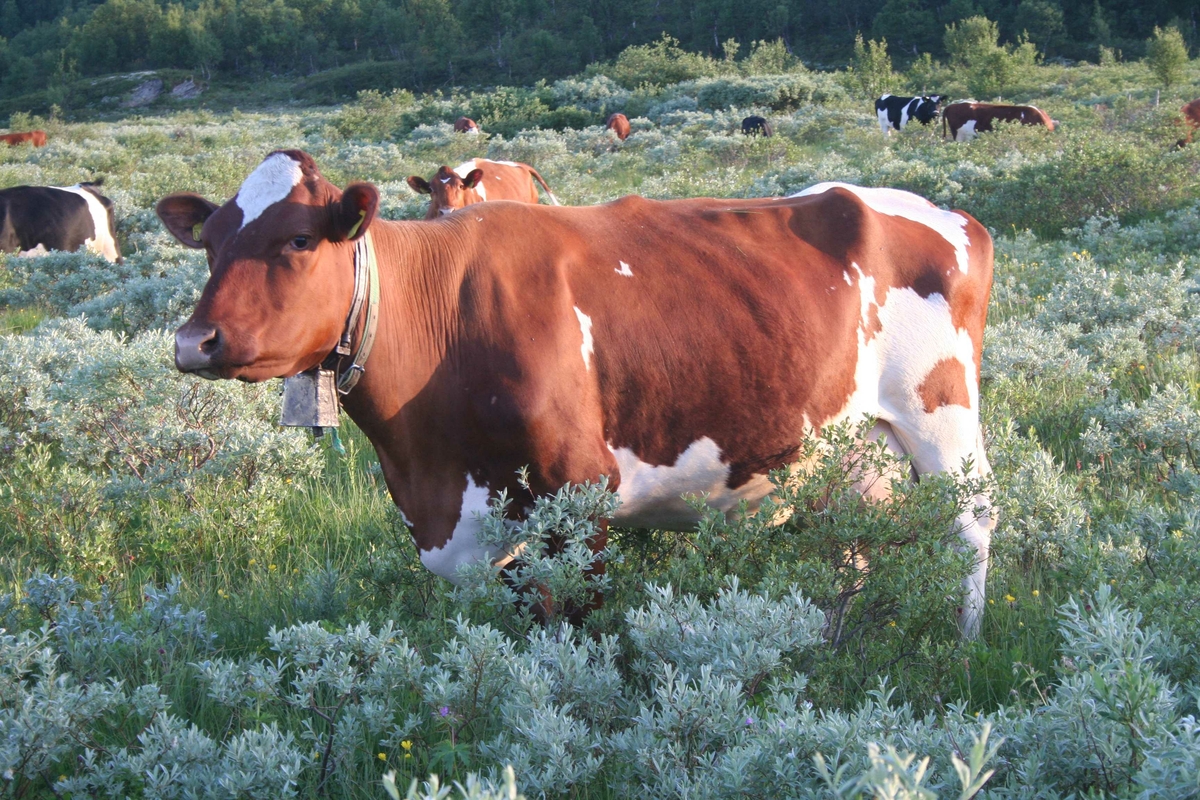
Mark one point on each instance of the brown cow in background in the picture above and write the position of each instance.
(1191, 118)
(968, 118)
(36, 138)
(477, 181)
(465, 125)
(618, 123)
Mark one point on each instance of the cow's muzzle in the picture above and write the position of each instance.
(195, 348)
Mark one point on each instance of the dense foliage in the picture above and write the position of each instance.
(52, 44)
(197, 603)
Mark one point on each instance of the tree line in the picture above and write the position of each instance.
(430, 43)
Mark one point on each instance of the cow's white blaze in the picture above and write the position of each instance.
(463, 547)
(585, 327)
(271, 181)
(966, 132)
(652, 495)
(624, 270)
(101, 242)
(896, 203)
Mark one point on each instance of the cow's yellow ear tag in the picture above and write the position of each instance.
(196, 231)
(362, 215)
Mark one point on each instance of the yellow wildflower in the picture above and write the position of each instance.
(1008, 598)
(253, 561)
(382, 756)
(407, 745)
(1036, 593)
(272, 567)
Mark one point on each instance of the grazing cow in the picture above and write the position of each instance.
(36, 138)
(465, 125)
(477, 181)
(1191, 118)
(755, 126)
(895, 112)
(35, 219)
(618, 123)
(680, 347)
(966, 119)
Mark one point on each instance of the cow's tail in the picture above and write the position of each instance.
(945, 125)
(537, 177)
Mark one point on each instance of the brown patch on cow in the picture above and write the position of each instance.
(945, 385)
(618, 123)
(873, 324)
(35, 138)
(465, 125)
(1191, 120)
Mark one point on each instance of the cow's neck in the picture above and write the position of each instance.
(418, 320)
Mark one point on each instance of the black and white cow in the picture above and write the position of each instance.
(895, 112)
(37, 219)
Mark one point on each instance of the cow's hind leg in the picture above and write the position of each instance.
(945, 440)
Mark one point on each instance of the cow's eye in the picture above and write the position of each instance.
(300, 242)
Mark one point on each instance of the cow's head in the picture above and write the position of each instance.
(927, 109)
(281, 269)
(448, 190)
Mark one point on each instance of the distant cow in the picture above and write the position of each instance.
(35, 219)
(36, 138)
(756, 126)
(465, 125)
(618, 123)
(1191, 118)
(895, 112)
(477, 181)
(964, 120)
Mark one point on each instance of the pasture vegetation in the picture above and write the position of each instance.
(199, 603)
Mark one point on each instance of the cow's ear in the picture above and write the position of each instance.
(184, 215)
(419, 184)
(357, 210)
(473, 178)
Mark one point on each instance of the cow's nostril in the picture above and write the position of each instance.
(211, 344)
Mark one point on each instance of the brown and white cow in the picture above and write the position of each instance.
(968, 118)
(618, 123)
(1191, 120)
(35, 138)
(466, 125)
(477, 181)
(679, 347)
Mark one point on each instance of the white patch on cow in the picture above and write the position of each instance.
(463, 547)
(445, 180)
(585, 327)
(624, 270)
(481, 190)
(464, 169)
(915, 334)
(34, 252)
(896, 203)
(906, 111)
(271, 181)
(652, 496)
(885, 125)
(967, 132)
(101, 243)
(509, 164)
(846, 276)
